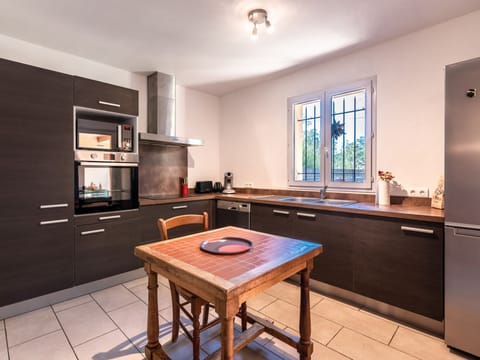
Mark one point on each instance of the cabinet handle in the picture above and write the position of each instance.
(51, 206)
(51, 222)
(281, 212)
(90, 232)
(306, 215)
(108, 103)
(178, 207)
(119, 137)
(417, 230)
(101, 218)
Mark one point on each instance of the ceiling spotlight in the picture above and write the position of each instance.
(258, 17)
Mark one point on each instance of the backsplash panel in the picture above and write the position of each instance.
(160, 169)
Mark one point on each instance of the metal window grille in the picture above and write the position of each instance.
(348, 137)
(308, 123)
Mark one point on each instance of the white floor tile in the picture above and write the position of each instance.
(114, 298)
(3, 344)
(361, 322)
(30, 325)
(143, 281)
(113, 345)
(360, 347)
(132, 321)
(53, 346)
(85, 322)
(422, 346)
(72, 303)
(163, 293)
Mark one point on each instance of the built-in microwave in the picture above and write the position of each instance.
(104, 136)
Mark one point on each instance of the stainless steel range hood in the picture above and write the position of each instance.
(161, 113)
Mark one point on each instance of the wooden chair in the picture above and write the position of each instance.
(181, 297)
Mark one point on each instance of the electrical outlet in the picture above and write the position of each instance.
(249, 185)
(418, 192)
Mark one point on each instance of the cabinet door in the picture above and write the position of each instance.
(334, 231)
(34, 259)
(98, 95)
(150, 214)
(103, 250)
(276, 220)
(36, 127)
(400, 263)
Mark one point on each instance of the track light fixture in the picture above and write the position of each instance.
(258, 17)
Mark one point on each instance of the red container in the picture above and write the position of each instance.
(184, 190)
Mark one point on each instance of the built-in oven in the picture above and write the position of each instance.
(105, 186)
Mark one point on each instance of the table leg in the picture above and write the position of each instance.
(153, 349)
(227, 337)
(305, 347)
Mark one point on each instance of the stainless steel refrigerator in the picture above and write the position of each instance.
(462, 206)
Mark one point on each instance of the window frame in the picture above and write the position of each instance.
(325, 96)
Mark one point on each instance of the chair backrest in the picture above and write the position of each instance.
(166, 224)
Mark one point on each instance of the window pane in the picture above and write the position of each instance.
(348, 130)
(307, 141)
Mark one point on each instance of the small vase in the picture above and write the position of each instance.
(383, 192)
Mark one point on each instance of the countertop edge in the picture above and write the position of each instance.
(417, 213)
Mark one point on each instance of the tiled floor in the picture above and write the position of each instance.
(110, 324)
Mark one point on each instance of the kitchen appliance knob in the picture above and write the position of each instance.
(122, 157)
(93, 156)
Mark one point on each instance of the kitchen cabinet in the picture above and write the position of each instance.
(35, 259)
(104, 245)
(395, 261)
(36, 254)
(400, 263)
(102, 96)
(276, 220)
(37, 140)
(334, 231)
(150, 214)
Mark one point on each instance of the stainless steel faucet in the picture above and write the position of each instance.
(323, 192)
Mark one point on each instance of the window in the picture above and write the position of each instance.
(331, 137)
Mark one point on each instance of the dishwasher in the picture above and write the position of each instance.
(232, 213)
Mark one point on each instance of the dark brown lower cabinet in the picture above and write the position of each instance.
(150, 214)
(276, 220)
(400, 263)
(34, 259)
(334, 231)
(106, 249)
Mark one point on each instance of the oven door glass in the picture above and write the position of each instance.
(105, 187)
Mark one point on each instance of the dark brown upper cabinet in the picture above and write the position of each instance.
(102, 96)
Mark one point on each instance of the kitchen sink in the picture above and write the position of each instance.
(309, 200)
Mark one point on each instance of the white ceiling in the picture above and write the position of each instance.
(206, 43)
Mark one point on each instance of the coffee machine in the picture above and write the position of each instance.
(228, 187)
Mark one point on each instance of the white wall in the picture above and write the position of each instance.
(410, 106)
(198, 113)
(198, 117)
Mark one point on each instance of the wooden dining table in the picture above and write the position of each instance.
(229, 280)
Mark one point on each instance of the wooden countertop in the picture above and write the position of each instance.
(418, 213)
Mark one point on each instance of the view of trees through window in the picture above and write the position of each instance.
(348, 137)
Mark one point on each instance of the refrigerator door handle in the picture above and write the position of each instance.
(466, 232)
